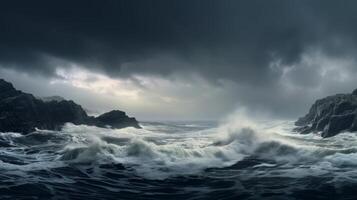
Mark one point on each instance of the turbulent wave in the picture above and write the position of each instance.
(238, 158)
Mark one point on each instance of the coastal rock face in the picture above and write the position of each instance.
(330, 115)
(115, 119)
(22, 112)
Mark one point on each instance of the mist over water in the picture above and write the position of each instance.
(240, 158)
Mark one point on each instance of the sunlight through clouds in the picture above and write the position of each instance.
(97, 83)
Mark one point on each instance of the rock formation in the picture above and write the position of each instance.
(330, 116)
(22, 112)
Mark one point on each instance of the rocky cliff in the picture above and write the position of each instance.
(330, 116)
(22, 112)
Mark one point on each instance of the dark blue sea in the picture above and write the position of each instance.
(237, 159)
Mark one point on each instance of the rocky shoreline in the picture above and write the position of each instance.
(330, 116)
(22, 112)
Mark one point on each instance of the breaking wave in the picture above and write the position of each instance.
(237, 150)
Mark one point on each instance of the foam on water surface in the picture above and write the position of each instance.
(239, 149)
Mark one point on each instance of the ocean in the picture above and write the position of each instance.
(235, 159)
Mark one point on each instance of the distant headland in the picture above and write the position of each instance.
(22, 112)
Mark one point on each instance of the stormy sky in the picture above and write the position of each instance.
(181, 59)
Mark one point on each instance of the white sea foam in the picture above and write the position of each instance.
(159, 154)
(161, 150)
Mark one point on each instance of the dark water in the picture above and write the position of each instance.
(178, 160)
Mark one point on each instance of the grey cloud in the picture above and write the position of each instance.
(229, 40)
(221, 39)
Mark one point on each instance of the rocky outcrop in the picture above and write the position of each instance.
(22, 112)
(52, 98)
(330, 116)
(115, 119)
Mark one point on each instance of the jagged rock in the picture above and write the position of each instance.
(337, 124)
(116, 119)
(22, 112)
(52, 98)
(330, 115)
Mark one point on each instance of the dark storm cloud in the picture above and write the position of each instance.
(220, 39)
(267, 48)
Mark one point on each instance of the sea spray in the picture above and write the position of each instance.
(188, 158)
(163, 154)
